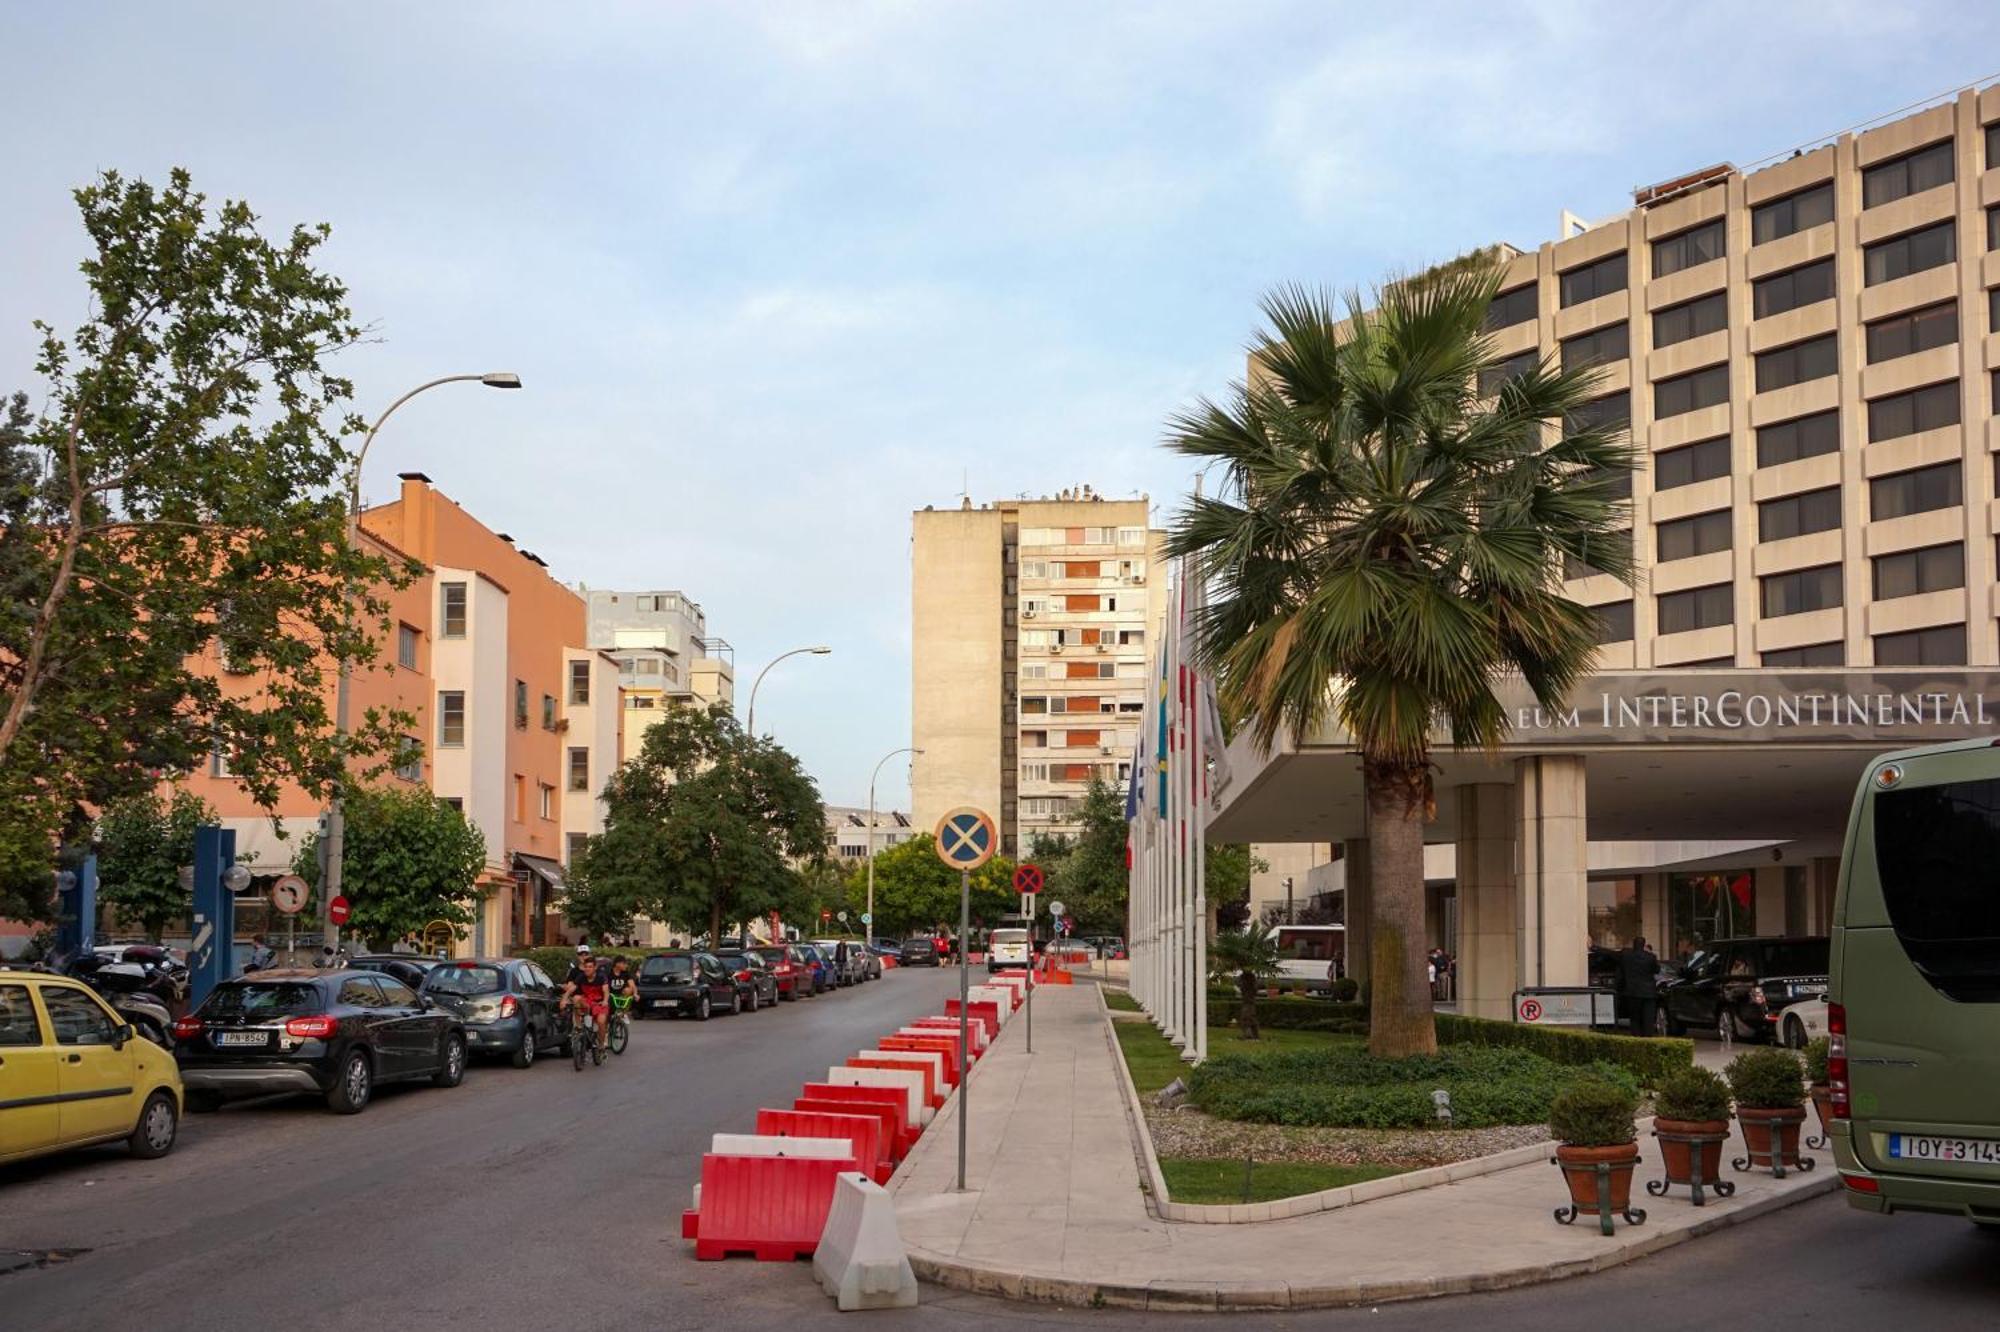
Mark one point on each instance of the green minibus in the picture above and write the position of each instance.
(1913, 1012)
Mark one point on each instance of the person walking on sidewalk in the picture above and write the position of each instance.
(1639, 985)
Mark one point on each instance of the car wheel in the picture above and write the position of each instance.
(525, 1056)
(451, 1070)
(357, 1083)
(753, 999)
(153, 1136)
(1725, 1026)
(735, 1002)
(701, 1008)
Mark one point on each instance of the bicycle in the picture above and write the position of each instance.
(582, 1039)
(621, 1024)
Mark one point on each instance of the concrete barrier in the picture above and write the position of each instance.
(1002, 996)
(950, 1023)
(909, 1081)
(987, 1013)
(902, 1132)
(771, 1207)
(940, 1042)
(860, 1260)
(930, 1088)
(941, 1076)
(863, 1133)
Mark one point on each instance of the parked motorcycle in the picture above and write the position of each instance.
(146, 985)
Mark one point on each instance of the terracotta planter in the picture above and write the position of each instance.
(1822, 1099)
(1772, 1137)
(1579, 1169)
(1682, 1157)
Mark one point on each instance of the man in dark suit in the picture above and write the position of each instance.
(1639, 985)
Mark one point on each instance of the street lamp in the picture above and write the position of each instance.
(868, 921)
(750, 720)
(336, 813)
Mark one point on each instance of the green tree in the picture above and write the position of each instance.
(142, 843)
(600, 905)
(1086, 870)
(704, 825)
(1226, 871)
(177, 498)
(915, 891)
(1385, 545)
(1246, 958)
(409, 859)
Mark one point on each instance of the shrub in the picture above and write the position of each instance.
(1815, 1052)
(1291, 1014)
(1344, 1087)
(1766, 1080)
(1593, 1113)
(1650, 1059)
(1346, 990)
(1693, 1093)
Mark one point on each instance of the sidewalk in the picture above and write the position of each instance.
(1054, 1210)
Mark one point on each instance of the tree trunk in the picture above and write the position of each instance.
(1399, 1014)
(714, 923)
(1246, 1009)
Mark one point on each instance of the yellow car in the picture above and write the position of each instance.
(72, 1073)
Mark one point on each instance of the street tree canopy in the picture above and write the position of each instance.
(142, 842)
(173, 577)
(1086, 872)
(915, 892)
(408, 859)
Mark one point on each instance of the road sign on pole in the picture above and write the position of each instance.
(1028, 879)
(1057, 909)
(336, 911)
(966, 838)
(288, 895)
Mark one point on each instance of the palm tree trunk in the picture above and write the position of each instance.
(1399, 1011)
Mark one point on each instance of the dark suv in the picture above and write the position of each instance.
(1740, 986)
(688, 982)
(920, 951)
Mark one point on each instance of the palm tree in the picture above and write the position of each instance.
(1245, 958)
(1386, 544)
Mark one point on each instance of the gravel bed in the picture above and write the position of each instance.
(1188, 1132)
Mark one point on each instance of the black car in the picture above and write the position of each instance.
(1740, 986)
(409, 968)
(335, 1034)
(920, 951)
(509, 1005)
(755, 981)
(688, 982)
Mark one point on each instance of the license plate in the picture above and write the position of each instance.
(1910, 1147)
(663, 1003)
(1807, 991)
(241, 1038)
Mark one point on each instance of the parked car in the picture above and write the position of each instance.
(889, 948)
(1802, 1022)
(687, 982)
(1741, 987)
(819, 964)
(1007, 948)
(850, 964)
(920, 950)
(871, 961)
(792, 979)
(73, 1073)
(509, 1005)
(337, 1034)
(752, 975)
(409, 968)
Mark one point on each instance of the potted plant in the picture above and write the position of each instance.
(1817, 1087)
(1770, 1094)
(1691, 1121)
(1592, 1122)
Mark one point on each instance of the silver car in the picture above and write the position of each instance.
(857, 959)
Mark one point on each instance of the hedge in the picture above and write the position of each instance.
(1649, 1059)
(1291, 1014)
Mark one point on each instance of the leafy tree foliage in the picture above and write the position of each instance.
(143, 841)
(409, 859)
(175, 500)
(1245, 957)
(704, 825)
(915, 892)
(1226, 871)
(1086, 872)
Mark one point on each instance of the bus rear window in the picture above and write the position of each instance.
(1937, 854)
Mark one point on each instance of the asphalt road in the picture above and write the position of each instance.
(537, 1198)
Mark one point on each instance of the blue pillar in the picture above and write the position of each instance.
(212, 955)
(76, 909)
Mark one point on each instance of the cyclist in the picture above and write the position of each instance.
(586, 988)
(622, 987)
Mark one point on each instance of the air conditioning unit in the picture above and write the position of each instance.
(1104, 647)
(1104, 749)
(1056, 648)
(1136, 580)
(1029, 613)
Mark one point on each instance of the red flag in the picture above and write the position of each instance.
(1739, 888)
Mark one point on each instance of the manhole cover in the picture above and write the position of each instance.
(20, 1260)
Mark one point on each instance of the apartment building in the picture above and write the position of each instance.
(1030, 627)
(847, 831)
(664, 653)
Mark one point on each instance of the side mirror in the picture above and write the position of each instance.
(123, 1036)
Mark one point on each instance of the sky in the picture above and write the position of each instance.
(775, 275)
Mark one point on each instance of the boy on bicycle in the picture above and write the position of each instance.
(588, 985)
(622, 987)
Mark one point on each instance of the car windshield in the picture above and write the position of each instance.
(667, 966)
(465, 978)
(738, 959)
(916, 943)
(1010, 936)
(254, 1000)
(1795, 957)
(771, 954)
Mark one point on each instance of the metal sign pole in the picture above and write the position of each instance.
(964, 1015)
(1028, 910)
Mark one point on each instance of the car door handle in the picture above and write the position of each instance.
(75, 1059)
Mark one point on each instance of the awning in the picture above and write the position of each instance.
(548, 871)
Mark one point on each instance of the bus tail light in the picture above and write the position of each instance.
(1836, 1061)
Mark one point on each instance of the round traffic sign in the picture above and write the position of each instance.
(1057, 909)
(1028, 879)
(336, 911)
(288, 895)
(1530, 1011)
(966, 838)
(840, 916)
(867, 918)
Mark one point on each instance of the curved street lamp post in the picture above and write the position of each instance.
(750, 718)
(868, 920)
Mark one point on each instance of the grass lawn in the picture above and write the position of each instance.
(1192, 1181)
(1155, 1061)
(1121, 1001)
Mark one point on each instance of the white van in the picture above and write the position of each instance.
(1008, 948)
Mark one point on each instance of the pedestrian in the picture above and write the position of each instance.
(840, 960)
(1639, 985)
(261, 954)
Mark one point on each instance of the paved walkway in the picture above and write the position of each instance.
(1054, 1209)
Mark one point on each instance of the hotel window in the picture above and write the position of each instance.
(451, 610)
(1685, 538)
(641, 702)
(1512, 307)
(451, 719)
(1993, 228)
(1796, 515)
(1597, 347)
(573, 844)
(1695, 246)
(1592, 280)
(1911, 252)
(1034, 706)
(1035, 670)
(548, 712)
(411, 769)
(1704, 664)
(1695, 462)
(1491, 377)
(1928, 408)
(1690, 392)
(1912, 173)
(1034, 568)
(1993, 145)
(1131, 536)
(218, 759)
(546, 800)
(1910, 573)
(456, 804)
(1942, 646)
(1802, 590)
(1779, 218)
(1792, 289)
(1908, 334)
(579, 769)
(520, 705)
(1993, 310)
(1800, 437)
(579, 682)
(1580, 567)
(1690, 319)
(1035, 739)
(1697, 608)
(1816, 654)
(1613, 409)
(1799, 363)
(1614, 622)
(406, 646)
(1920, 490)
(1034, 772)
